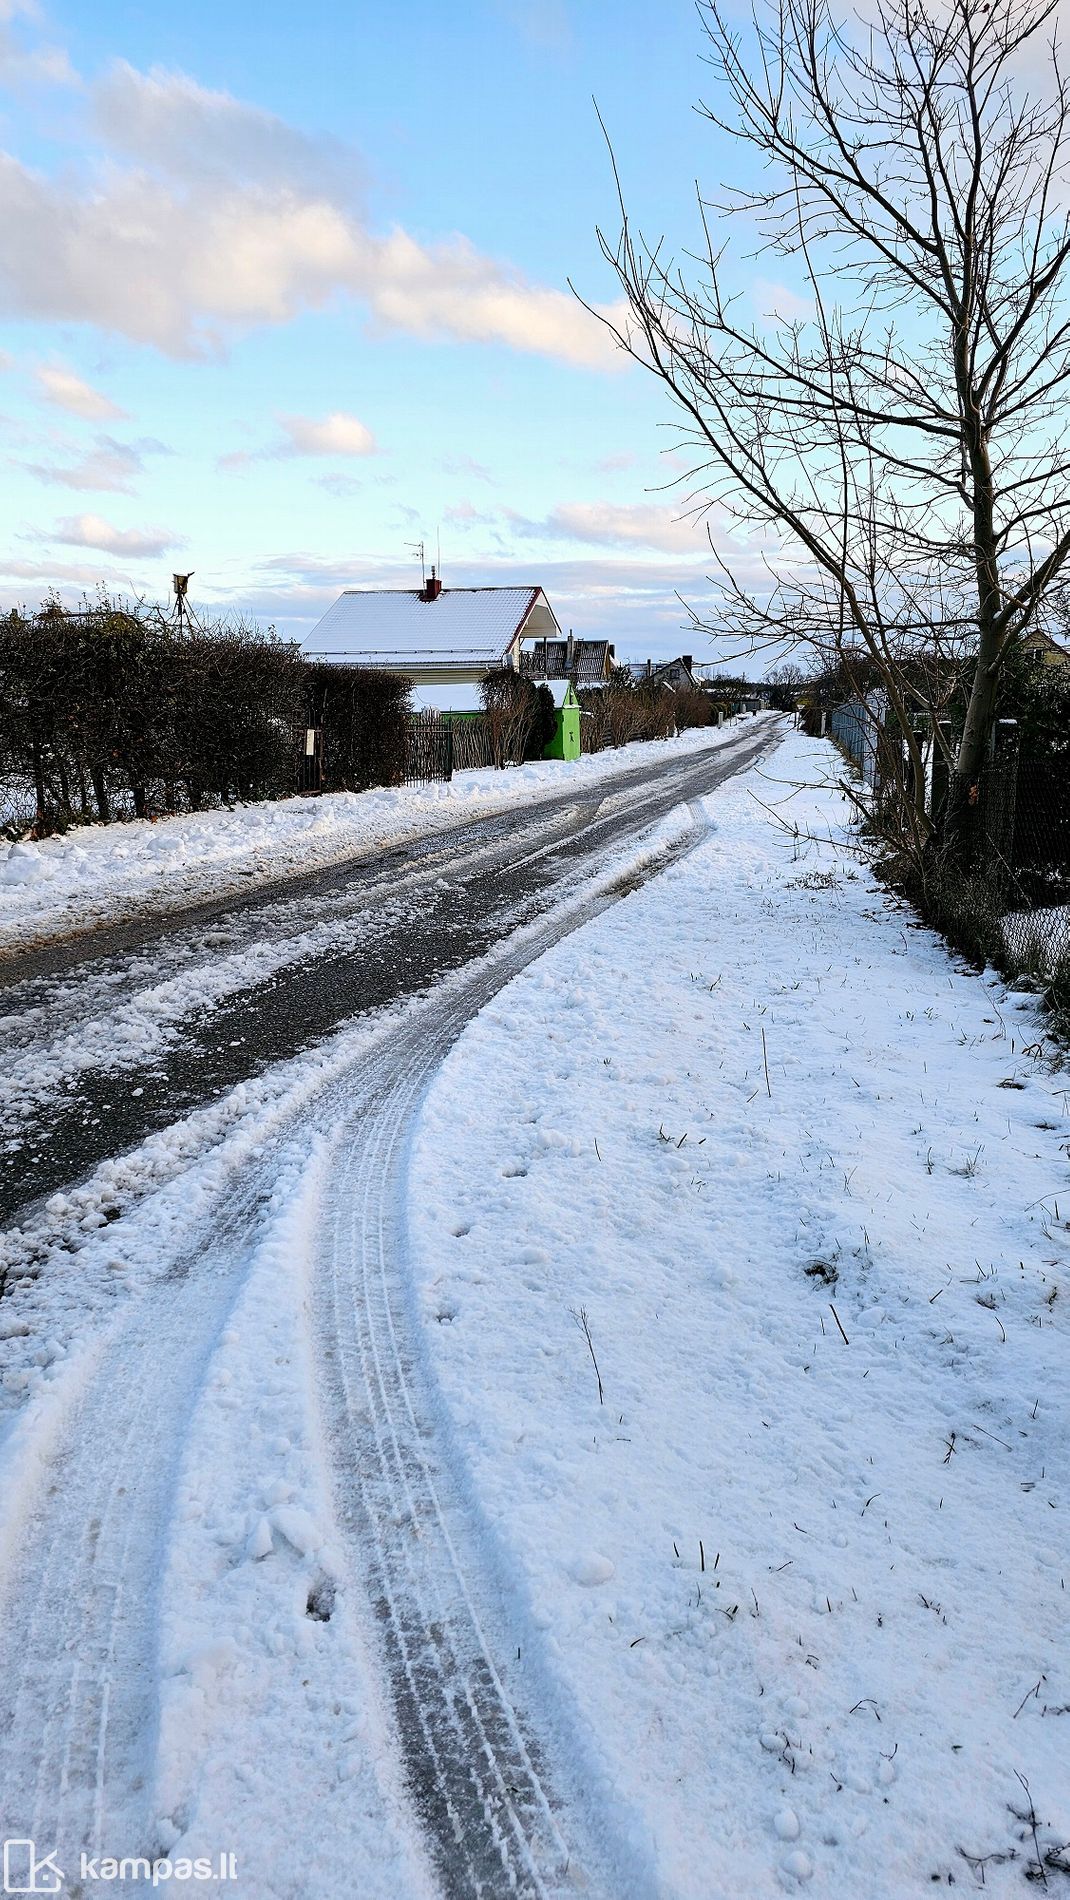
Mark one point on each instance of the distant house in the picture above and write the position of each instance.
(1045, 651)
(438, 637)
(584, 662)
(676, 673)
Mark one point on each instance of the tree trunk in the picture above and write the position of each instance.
(39, 780)
(980, 711)
(100, 793)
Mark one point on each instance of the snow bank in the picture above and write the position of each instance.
(102, 874)
(752, 1155)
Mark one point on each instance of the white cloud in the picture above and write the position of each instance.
(26, 61)
(342, 487)
(465, 514)
(226, 218)
(168, 123)
(92, 531)
(22, 66)
(108, 466)
(49, 574)
(779, 301)
(620, 524)
(466, 465)
(68, 391)
(336, 434)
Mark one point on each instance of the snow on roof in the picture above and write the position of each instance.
(464, 627)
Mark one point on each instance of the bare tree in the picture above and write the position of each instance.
(898, 441)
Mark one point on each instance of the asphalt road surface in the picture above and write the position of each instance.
(113, 1035)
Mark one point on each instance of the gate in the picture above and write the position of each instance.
(428, 749)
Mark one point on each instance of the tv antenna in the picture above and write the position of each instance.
(419, 552)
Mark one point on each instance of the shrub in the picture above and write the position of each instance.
(511, 708)
(363, 715)
(543, 725)
(692, 708)
(114, 710)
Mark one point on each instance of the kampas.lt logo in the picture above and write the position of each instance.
(27, 1871)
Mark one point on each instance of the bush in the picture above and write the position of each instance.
(115, 711)
(544, 724)
(692, 708)
(511, 708)
(363, 716)
(625, 710)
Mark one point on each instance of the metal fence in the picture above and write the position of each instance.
(428, 749)
(1021, 845)
(856, 727)
(1008, 894)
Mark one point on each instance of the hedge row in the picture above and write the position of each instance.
(624, 711)
(114, 711)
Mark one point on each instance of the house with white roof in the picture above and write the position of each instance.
(444, 639)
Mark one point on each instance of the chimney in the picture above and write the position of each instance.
(432, 588)
(686, 658)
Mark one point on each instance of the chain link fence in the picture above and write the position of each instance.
(996, 875)
(1021, 842)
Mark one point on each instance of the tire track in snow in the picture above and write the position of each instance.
(78, 1629)
(78, 1592)
(498, 1820)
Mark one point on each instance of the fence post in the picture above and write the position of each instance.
(941, 780)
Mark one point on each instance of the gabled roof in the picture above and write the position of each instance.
(562, 693)
(463, 627)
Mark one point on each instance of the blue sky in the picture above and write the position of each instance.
(283, 291)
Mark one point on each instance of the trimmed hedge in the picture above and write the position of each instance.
(116, 712)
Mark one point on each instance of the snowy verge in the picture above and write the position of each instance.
(754, 1143)
(103, 874)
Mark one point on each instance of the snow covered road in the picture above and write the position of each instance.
(112, 1036)
(240, 1579)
